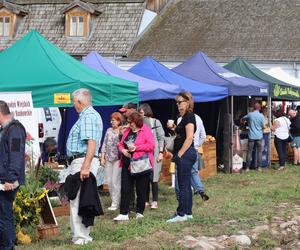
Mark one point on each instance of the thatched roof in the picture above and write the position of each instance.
(259, 30)
(113, 31)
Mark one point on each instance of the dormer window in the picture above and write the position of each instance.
(78, 25)
(9, 16)
(6, 27)
(78, 18)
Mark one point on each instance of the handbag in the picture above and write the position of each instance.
(141, 165)
(169, 143)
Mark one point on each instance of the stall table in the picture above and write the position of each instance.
(210, 159)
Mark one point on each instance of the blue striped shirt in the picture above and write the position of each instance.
(88, 127)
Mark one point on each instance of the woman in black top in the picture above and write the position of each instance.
(185, 155)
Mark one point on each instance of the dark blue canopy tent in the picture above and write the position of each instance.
(201, 91)
(201, 68)
(148, 89)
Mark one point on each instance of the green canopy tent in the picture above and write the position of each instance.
(34, 64)
(277, 88)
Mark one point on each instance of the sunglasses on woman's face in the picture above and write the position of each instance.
(179, 102)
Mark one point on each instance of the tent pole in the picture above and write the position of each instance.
(270, 124)
(231, 136)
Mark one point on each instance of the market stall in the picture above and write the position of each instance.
(279, 90)
(201, 67)
(34, 64)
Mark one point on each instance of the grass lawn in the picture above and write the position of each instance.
(249, 199)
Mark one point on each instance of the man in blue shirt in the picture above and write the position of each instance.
(256, 124)
(12, 172)
(82, 150)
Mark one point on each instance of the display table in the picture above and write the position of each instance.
(210, 159)
(265, 153)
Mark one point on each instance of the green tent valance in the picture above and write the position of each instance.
(34, 64)
(277, 88)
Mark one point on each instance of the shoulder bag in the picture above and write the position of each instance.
(141, 165)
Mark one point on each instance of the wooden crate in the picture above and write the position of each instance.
(289, 153)
(210, 159)
(62, 211)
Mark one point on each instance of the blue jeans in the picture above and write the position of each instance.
(184, 167)
(259, 147)
(195, 179)
(7, 227)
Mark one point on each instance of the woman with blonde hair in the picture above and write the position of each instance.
(185, 155)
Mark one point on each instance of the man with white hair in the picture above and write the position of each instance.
(82, 150)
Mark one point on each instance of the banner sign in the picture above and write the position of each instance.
(281, 91)
(21, 107)
(62, 98)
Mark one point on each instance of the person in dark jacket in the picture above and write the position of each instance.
(295, 133)
(12, 172)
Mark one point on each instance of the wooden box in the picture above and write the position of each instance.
(210, 159)
(289, 153)
(61, 211)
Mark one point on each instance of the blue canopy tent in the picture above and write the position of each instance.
(200, 67)
(201, 91)
(148, 89)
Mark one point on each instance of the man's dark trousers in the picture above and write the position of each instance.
(7, 227)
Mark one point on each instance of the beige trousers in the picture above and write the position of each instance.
(80, 233)
(113, 179)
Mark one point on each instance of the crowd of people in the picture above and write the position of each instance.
(131, 153)
(286, 129)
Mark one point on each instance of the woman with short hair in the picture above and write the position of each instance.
(137, 143)
(110, 159)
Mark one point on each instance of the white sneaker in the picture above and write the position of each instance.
(190, 217)
(82, 241)
(121, 217)
(154, 205)
(281, 168)
(178, 218)
(139, 216)
(112, 208)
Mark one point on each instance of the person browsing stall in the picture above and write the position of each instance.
(256, 124)
(137, 145)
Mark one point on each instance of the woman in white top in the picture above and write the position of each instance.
(281, 127)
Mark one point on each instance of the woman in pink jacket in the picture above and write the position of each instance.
(137, 142)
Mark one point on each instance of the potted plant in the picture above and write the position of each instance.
(27, 208)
